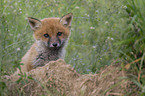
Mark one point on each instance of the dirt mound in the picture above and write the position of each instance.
(58, 78)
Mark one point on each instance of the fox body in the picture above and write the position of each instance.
(51, 36)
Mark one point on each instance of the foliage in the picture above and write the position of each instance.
(103, 32)
(134, 41)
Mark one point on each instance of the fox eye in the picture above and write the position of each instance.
(59, 33)
(46, 35)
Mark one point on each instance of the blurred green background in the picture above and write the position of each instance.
(104, 32)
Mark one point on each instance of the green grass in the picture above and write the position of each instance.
(103, 32)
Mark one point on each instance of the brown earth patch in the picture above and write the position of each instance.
(59, 79)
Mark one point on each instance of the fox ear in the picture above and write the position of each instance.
(34, 23)
(66, 20)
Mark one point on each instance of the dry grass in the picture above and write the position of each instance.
(58, 78)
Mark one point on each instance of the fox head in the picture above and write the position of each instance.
(52, 32)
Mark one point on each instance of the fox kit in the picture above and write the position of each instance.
(51, 36)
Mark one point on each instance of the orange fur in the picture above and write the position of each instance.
(51, 36)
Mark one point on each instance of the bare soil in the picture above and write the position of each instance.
(60, 79)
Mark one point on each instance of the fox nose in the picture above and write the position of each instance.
(54, 44)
